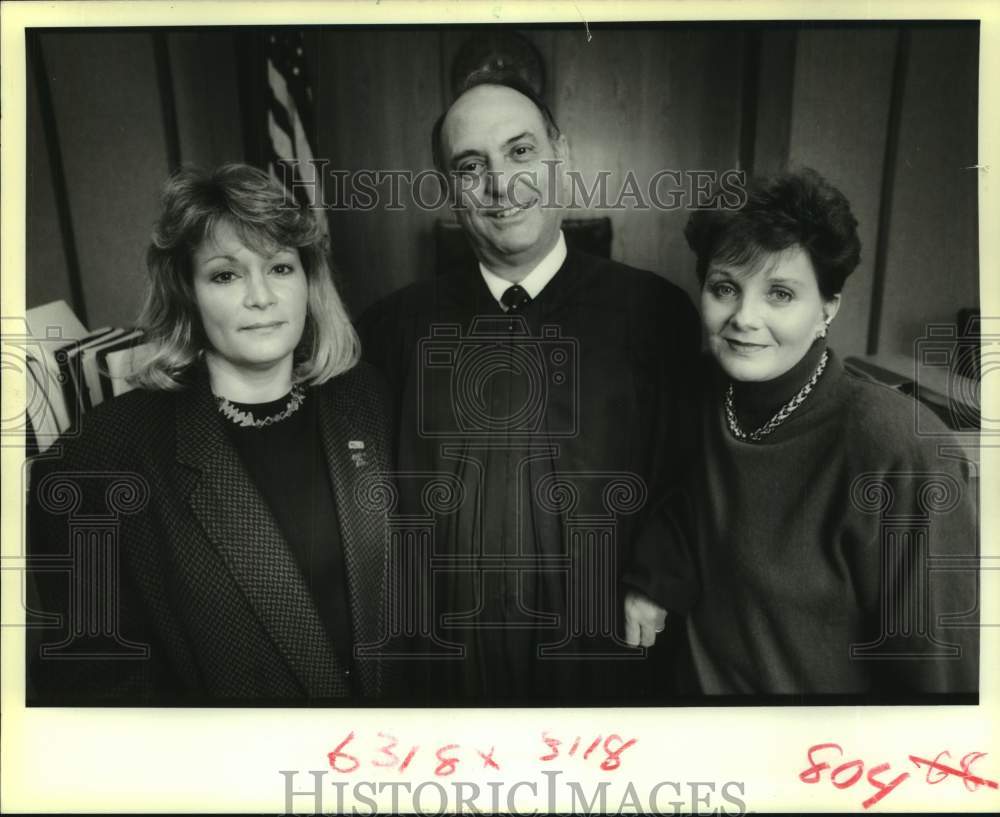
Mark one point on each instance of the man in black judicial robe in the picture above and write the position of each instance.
(544, 402)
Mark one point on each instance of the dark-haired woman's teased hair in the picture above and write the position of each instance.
(194, 203)
(796, 208)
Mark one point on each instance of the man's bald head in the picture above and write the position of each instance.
(510, 81)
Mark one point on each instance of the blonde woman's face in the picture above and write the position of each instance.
(252, 306)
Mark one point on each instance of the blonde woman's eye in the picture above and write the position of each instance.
(782, 295)
(223, 277)
(284, 269)
(722, 290)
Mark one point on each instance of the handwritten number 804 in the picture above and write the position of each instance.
(845, 775)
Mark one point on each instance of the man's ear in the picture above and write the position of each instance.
(561, 147)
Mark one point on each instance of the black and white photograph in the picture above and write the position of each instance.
(582, 378)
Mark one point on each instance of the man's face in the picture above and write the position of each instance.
(496, 140)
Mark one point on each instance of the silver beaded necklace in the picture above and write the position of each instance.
(783, 412)
(247, 420)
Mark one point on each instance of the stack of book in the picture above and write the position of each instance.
(71, 369)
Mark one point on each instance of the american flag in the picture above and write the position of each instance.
(290, 117)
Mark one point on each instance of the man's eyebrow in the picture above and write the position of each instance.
(464, 155)
(523, 135)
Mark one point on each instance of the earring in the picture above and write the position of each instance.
(822, 332)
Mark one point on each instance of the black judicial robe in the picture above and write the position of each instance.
(528, 449)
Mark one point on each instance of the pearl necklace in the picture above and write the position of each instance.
(247, 420)
(783, 412)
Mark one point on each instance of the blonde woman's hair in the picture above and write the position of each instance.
(264, 217)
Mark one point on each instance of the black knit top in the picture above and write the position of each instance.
(287, 463)
(805, 562)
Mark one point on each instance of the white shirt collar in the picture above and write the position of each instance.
(534, 282)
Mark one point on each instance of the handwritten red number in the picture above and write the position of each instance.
(935, 767)
(408, 758)
(883, 788)
(812, 774)
(338, 753)
(613, 760)
(387, 751)
(971, 781)
(859, 767)
(553, 744)
(963, 773)
(447, 764)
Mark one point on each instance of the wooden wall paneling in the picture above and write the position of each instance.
(750, 101)
(901, 61)
(647, 100)
(52, 269)
(206, 94)
(380, 91)
(105, 97)
(775, 86)
(932, 258)
(168, 106)
(840, 115)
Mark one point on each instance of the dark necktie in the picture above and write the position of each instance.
(515, 298)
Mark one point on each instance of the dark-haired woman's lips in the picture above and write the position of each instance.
(745, 348)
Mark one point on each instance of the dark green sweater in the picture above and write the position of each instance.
(787, 564)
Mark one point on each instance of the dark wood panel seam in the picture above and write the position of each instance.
(36, 58)
(889, 162)
(168, 106)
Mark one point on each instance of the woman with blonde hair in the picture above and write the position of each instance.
(243, 566)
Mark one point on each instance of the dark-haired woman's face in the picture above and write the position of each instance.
(252, 306)
(761, 323)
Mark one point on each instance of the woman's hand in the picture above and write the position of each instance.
(643, 620)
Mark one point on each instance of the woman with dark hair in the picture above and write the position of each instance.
(239, 563)
(806, 554)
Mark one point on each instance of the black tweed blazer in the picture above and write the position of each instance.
(158, 575)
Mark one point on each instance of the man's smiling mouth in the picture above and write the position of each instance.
(510, 212)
